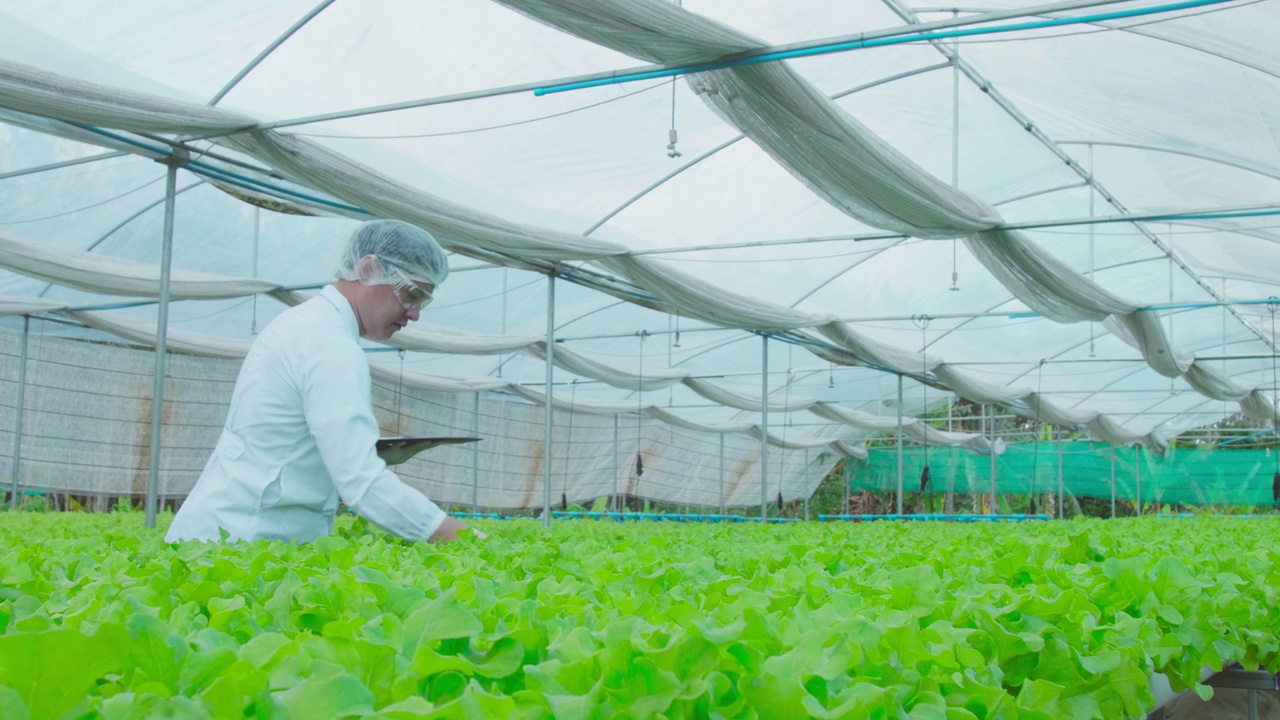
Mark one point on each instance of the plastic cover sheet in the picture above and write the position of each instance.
(351, 181)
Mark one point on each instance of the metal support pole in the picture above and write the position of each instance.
(617, 500)
(847, 482)
(475, 454)
(1113, 482)
(257, 231)
(550, 410)
(721, 473)
(995, 503)
(162, 339)
(900, 478)
(764, 426)
(1061, 508)
(1137, 474)
(806, 489)
(21, 405)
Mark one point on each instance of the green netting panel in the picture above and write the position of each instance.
(1190, 476)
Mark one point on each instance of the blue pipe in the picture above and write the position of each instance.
(1247, 437)
(202, 168)
(874, 42)
(478, 515)
(661, 517)
(1175, 306)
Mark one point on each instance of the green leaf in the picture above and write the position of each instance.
(52, 670)
(11, 705)
(337, 696)
(155, 650)
(441, 618)
(503, 659)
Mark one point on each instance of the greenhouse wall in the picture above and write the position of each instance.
(87, 423)
(1187, 476)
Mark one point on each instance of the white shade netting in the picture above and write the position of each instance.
(87, 422)
(910, 227)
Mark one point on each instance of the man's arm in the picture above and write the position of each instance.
(339, 413)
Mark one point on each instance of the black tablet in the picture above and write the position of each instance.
(396, 450)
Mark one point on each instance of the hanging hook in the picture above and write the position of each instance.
(672, 135)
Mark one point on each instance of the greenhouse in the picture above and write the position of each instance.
(870, 358)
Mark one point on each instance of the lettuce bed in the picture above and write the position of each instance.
(99, 617)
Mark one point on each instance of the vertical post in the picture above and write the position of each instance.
(900, 438)
(162, 340)
(1113, 482)
(764, 427)
(721, 473)
(806, 489)
(253, 326)
(995, 504)
(21, 405)
(475, 455)
(550, 410)
(847, 482)
(617, 501)
(1061, 509)
(1137, 474)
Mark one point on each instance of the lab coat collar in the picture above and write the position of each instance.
(343, 306)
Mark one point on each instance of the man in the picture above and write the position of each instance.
(300, 432)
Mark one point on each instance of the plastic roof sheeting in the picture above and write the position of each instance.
(907, 209)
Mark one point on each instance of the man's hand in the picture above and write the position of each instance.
(448, 531)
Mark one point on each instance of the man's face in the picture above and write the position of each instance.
(393, 307)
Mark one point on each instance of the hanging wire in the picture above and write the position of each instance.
(1275, 389)
(399, 392)
(1035, 454)
(922, 322)
(568, 442)
(672, 135)
(640, 411)
(786, 403)
(955, 147)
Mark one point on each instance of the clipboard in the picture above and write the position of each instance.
(394, 451)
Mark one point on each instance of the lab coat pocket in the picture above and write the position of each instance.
(230, 445)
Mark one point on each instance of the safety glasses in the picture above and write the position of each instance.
(409, 293)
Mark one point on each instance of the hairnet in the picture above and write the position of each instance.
(396, 245)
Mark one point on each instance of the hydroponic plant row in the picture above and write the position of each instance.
(100, 618)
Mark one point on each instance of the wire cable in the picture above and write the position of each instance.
(486, 128)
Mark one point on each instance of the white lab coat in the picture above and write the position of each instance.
(300, 434)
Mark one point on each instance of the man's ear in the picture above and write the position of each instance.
(368, 268)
